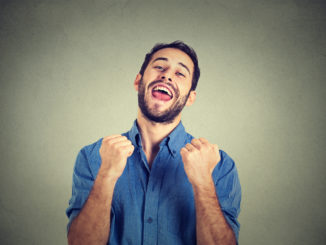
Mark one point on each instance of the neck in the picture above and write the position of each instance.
(152, 134)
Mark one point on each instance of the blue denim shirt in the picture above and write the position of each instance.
(154, 206)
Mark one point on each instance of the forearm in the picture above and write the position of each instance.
(211, 226)
(92, 225)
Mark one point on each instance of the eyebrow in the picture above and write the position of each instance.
(166, 59)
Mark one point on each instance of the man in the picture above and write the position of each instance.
(156, 184)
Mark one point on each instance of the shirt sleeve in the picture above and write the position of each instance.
(82, 183)
(228, 190)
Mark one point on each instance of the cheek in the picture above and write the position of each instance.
(184, 88)
(151, 75)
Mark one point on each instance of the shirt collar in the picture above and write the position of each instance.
(134, 135)
(175, 140)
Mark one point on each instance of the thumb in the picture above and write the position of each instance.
(131, 150)
(183, 151)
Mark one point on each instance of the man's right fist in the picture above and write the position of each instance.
(114, 152)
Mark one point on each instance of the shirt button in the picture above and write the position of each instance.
(174, 151)
(149, 220)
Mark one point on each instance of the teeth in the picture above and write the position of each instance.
(163, 89)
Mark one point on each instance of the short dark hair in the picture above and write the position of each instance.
(177, 45)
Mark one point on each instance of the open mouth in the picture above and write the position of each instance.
(162, 93)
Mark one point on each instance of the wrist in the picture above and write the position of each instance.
(204, 185)
(108, 173)
(107, 177)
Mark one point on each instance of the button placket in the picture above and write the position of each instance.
(151, 202)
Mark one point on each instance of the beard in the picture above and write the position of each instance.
(166, 116)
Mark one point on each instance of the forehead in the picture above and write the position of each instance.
(174, 56)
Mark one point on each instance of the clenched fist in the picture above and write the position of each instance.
(199, 159)
(114, 152)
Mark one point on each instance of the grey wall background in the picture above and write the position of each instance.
(66, 73)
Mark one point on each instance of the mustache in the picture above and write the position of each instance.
(170, 85)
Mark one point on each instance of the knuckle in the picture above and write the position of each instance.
(115, 147)
(188, 145)
(203, 140)
(183, 151)
(186, 156)
(106, 138)
(215, 147)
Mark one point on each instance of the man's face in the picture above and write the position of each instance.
(164, 88)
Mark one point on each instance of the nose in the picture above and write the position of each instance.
(163, 77)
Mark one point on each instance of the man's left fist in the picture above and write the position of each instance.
(199, 160)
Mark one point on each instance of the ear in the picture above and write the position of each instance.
(191, 98)
(137, 81)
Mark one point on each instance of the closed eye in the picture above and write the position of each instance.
(158, 67)
(180, 74)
